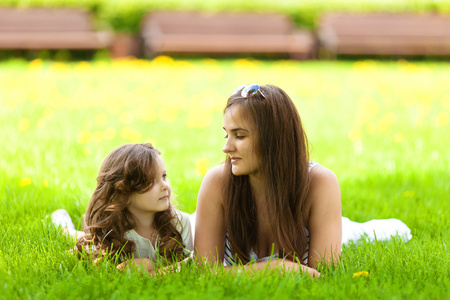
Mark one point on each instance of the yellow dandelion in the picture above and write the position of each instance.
(130, 134)
(368, 108)
(45, 183)
(399, 138)
(83, 65)
(109, 133)
(387, 121)
(101, 119)
(148, 115)
(445, 101)
(168, 114)
(48, 113)
(201, 166)
(59, 66)
(23, 124)
(355, 135)
(163, 60)
(442, 119)
(36, 63)
(41, 123)
(409, 194)
(246, 63)
(371, 128)
(198, 120)
(126, 118)
(98, 136)
(25, 181)
(84, 137)
(210, 61)
(359, 274)
(86, 150)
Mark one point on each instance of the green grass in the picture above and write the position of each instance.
(382, 127)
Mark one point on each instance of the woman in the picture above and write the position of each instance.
(268, 200)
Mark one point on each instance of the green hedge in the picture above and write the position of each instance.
(125, 15)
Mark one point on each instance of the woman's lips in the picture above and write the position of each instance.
(234, 160)
(164, 198)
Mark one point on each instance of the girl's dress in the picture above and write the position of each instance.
(145, 248)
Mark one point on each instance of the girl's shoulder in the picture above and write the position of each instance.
(182, 217)
(185, 227)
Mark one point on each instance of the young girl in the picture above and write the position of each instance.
(130, 214)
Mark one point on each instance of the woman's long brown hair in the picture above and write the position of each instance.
(282, 147)
(127, 169)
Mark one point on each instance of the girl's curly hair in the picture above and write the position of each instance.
(127, 169)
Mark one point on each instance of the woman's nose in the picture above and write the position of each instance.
(227, 147)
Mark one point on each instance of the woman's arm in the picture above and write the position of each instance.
(283, 264)
(325, 217)
(210, 230)
(209, 241)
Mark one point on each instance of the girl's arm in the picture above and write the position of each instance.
(325, 217)
(209, 241)
(146, 263)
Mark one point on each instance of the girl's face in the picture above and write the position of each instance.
(240, 142)
(157, 198)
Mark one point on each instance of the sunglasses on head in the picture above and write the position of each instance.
(248, 90)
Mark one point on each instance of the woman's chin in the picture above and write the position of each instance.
(237, 172)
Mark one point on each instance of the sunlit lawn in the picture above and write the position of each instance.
(382, 127)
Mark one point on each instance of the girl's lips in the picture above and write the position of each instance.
(164, 198)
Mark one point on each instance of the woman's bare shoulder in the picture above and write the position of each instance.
(212, 184)
(216, 174)
(324, 189)
(320, 174)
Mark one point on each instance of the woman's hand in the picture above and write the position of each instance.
(280, 264)
(289, 265)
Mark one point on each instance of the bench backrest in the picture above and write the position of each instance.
(387, 24)
(44, 20)
(168, 22)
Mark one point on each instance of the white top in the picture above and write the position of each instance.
(144, 247)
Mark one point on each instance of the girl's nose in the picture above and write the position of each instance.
(166, 185)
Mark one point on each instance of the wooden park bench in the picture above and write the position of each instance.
(224, 33)
(45, 28)
(385, 34)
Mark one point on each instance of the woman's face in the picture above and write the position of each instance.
(240, 142)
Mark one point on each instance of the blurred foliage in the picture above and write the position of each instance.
(125, 15)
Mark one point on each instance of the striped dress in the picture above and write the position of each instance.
(228, 259)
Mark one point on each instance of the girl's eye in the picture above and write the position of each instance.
(240, 137)
(226, 137)
(164, 177)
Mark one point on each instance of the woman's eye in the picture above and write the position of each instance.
(226, 136)
(240, 137)
(164, 177)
